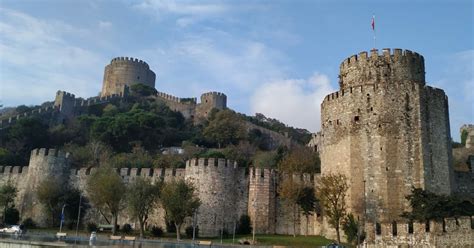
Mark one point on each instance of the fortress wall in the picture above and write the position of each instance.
(223, 189)
(186, 107)
(47, 113)
(464, 183)
(313, 225)
(262, 199)
(448, 233)
(438, 170)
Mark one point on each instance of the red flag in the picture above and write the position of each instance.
(373, 22)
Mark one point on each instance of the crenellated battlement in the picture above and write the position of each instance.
(453, 232)
(392, 65)
(212, 162)
(44, 152)
(10, 120)
(13, 169)
(176, 99)
(214, 93)
(119, 60)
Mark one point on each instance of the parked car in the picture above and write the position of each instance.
(15, 229)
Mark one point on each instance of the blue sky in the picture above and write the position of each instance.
(279, 58)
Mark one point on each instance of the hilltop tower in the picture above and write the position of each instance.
(387, 131)
(123, 72)
(209, 101)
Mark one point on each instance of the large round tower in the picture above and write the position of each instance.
(222, 189)
(387, 132)
(125, 71)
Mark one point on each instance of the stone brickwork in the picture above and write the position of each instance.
(385, 129)
(222, 189)
(125, 71)
(447, 233)
(469, 128)
(316, 142)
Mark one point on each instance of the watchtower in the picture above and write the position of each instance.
(209, 101)
(123, 72)
(387, 131)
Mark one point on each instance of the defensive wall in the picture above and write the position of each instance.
(449, 232)
(386, 129)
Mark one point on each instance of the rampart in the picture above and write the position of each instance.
(450, 232)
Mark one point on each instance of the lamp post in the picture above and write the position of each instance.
(194, 223)
(78, 217)
(62, 218)
(254, 205)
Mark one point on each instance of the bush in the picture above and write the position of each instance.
(170, 227)
(91, 227)
(29, 223)
(189, 232)
(244, 226)
(156, 231)
(12, 216)
(127, 228)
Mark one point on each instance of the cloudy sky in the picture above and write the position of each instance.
(279, 58)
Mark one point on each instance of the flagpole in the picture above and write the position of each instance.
(373, 27)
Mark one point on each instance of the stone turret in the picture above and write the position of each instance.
(123, 72)
(45, 164)
(222, 189)
(209, 101)
(385, 129)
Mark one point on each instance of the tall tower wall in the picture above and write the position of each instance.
(382, 129)
(209, 101)
(262, 200)
(124, 71)
(223, 189)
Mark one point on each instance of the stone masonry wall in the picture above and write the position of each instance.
(448, 233)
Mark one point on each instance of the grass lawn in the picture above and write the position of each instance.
(284, 240)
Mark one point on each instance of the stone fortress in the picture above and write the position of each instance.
(385, 129)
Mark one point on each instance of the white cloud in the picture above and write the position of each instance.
(295, 102)
(105, 24)
(37, 59)
(187, 12)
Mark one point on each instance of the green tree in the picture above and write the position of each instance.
(464, 135)
(308, 203)
(225, 128)
(7, 197)
(300, 160)
(140, 90)
(106, 191)
(142, 197)
(51, 196)
(350, 226)
(426, 206)
(179, 201)
(290, 190)
(332, 192)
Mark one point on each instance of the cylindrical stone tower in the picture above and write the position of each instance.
(125, 71)
(223, 190)
(387, 132)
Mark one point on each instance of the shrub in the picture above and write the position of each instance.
(12, 216)
(29, 223)
(170, 227)
(244, 226)
(127, 228)
(156, 231)
(189, 232)
(91, 227)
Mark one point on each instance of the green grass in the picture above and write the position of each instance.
(284, 240)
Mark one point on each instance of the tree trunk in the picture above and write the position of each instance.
(114, 224)
(294, 220)
(142, 224)
(178, 228)
(338, 235)
(307, 224)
